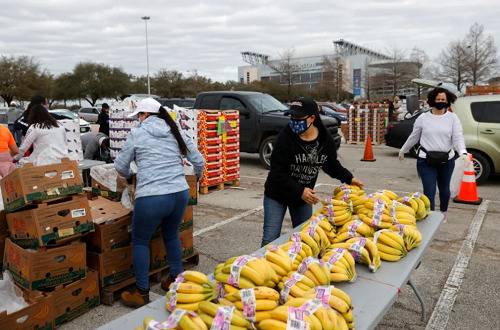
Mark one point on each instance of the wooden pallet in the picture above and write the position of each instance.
(110, 294)
(234, 183)
(208, 189)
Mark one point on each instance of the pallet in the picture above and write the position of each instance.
(234, 183)
(110, 294)
(208, 189)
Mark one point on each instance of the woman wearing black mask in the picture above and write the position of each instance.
(300, 151)
(439, 133)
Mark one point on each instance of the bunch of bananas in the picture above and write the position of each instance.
(353, 229)
(341, 264)
(312, 272)
(350, 194)
(328, 317)
(375, 213)
(390, 245)
(337, 212)
(402, 214)
(279, 260)
(179, 319)
(306, 238)
(209, 312)
(320, 230)
(255, 303)
(246, 272)
(419, 203)
(411, 235)
(188, 290)
(363, 250)
(297, 250)
(336, 299)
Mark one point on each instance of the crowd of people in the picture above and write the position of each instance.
(158, 147)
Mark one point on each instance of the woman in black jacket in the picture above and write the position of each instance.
(300, 151)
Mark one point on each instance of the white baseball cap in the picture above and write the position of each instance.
(149, 105)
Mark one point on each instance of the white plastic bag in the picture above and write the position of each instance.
(11, 298)
(106, 175)
(456, 177)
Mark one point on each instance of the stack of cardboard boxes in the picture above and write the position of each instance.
(210, 146)
(47, 214)
(231, 147)
(364, 120)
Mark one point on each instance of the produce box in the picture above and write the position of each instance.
(34, 270)
(75, 299)
(39, 314)
(114, 266)
(112, 225)
(193, 189)
(4, 233)
(29, 184)
(158, 254)
(51, 222)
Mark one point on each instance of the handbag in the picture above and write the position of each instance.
(435, 158)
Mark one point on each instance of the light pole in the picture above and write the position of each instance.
(146, 19)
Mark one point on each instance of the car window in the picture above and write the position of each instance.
(229, 103)
(209, 102)
(86, 110)
(265, 103)
(486, 112)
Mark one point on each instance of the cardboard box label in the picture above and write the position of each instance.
(65, 175)
(66, 232)
(78, 213)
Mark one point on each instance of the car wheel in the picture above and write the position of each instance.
(265, 151)
(482, 167)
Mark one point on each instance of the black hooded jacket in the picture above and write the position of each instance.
(295, 165)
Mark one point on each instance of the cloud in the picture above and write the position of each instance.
(208, 36)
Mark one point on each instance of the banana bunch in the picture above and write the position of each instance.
(246, 272)
(363, 250)
(350, 194)
(411, 235)
(188, 290)
(350, 189)
(328, 317)
(352, 229)
(336, 299)
(279, 260)
(179, 319)
(419, 203)
(320, 230)
(390, 194)
(297, 251)
(390, 245)
(255, 303)
(341, 264)
(306, 238)
(402, 213)
(312, 272)
(228, 316)
(375, 213)
(338, 212)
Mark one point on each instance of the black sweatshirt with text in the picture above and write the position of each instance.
(295, 165)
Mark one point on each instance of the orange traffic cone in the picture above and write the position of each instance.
(368, 156)
(468, 188)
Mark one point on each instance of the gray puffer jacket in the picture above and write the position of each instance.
(155, 150)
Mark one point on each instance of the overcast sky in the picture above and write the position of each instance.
(209, 35)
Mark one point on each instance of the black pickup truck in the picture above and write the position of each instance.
(261, 119)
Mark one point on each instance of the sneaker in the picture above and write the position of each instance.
(135, 298)
(445, 219)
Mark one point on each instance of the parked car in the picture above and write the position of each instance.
(89, 114)
(480, 118)
(261, 119)
(334, 107)
(60, 114)
(341, 117)
(187, 103)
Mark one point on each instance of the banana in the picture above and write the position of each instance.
(237, 318)
(208, 320)
(389, 257)
(186, 323)
(199, 323)
(261, 292)
(193, 288)
(189, 307)
(272, 324)
(243, 283)
(189, 298)
(195, 277)
(261, 304)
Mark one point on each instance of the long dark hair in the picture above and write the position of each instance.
(163, 114)
(41, 117)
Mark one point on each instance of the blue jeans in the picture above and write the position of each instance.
(274, 212)
(150, 212)
(440, 175)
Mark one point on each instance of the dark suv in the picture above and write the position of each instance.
(261, 119)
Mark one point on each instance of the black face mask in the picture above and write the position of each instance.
(441, 105)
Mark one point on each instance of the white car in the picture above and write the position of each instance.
(68, 114)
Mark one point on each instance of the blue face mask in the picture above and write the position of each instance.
(298, 126)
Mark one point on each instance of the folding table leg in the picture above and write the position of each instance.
(419, 297)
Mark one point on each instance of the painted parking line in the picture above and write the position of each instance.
(227, 221)
(442, 310)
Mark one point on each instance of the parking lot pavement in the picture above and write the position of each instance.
(229, 223)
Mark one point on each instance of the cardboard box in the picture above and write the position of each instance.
(158, 254)
(112, 225)
(114, 266)
(39, 314)
(193, 189)
(51, 222)
(4, 233)
(34, 270)
(29, 183)
(75, 299)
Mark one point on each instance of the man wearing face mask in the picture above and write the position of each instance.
(300, 151)
(439, 133)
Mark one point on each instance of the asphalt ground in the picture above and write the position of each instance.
(229, 223)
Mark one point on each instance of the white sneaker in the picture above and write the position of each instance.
(445, 219)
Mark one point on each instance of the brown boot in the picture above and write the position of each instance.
(135, 297)
(165, 283)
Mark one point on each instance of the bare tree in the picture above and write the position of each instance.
(481, 54)
(453, 62)
(286, 68)
(419, 56)
(333, 77)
